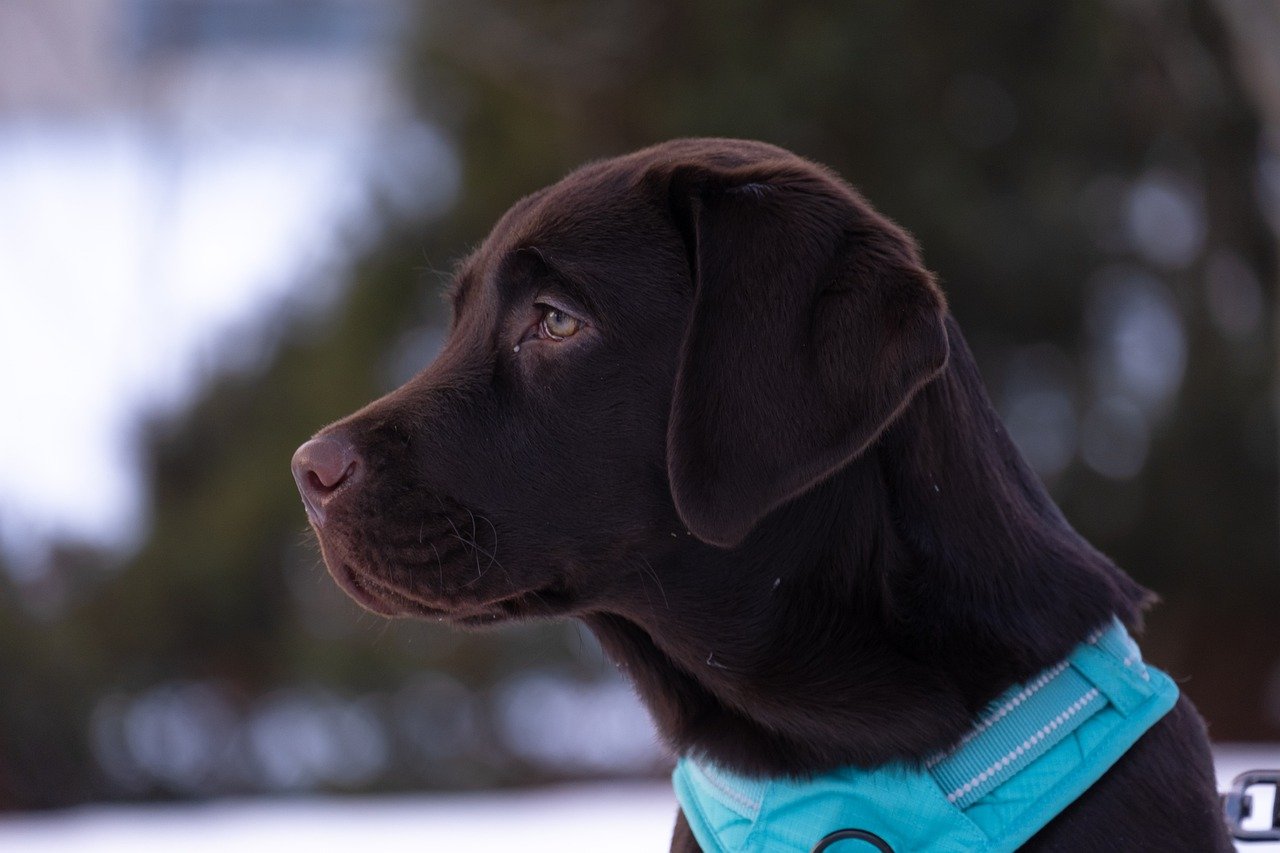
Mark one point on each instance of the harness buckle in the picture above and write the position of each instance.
(1238, 805)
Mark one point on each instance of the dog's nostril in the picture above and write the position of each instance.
(325, 481)
(322, 465)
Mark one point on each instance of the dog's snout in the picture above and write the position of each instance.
(321, 467)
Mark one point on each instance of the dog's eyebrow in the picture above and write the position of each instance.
(563, 274)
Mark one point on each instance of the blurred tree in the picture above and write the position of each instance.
(1082, 176)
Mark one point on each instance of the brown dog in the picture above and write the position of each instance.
(706, 400)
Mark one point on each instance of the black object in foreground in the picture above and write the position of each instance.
(1237, 804)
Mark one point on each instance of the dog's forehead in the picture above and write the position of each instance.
(605, 216)
(591, 208)
(607, 201)
(595, 224)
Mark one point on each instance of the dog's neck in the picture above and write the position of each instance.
(870, 619)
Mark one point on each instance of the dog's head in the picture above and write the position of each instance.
(660, 349)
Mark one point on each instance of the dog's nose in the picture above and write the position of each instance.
(321, 467)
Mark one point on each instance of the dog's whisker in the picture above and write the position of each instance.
(534, 594)
(479, 549)
(494, 556)
(644, 561)
(457, 534)
(439, 565)
(644, 588)
(475, 549)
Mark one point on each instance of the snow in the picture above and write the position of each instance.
(614, 816)
(619, 817)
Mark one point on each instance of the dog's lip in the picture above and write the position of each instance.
(387, 595)
(360, 589)
(385, 598)
(530, 602)
(549, 599)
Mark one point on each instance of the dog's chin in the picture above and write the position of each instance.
(387, 599)
(369, 594)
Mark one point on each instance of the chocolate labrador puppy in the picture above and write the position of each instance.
(706, 400)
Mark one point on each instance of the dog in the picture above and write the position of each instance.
(709, 402)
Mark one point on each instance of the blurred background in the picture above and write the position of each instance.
(224, 223)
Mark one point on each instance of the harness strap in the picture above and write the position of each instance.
(1031, 754)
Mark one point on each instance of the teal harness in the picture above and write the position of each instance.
(1032, 753)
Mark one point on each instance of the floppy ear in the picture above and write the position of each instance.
(813, 325)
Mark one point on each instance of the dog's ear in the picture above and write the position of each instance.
(813, 325)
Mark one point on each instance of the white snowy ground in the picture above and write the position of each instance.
(615, 817)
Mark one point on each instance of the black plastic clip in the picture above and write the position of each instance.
(852, 835)
(1238, 803)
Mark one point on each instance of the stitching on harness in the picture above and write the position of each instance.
(1018, 751)
(723, 787)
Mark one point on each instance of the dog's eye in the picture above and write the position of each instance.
(557, 324)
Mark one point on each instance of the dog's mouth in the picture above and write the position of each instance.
(401, 562)
(388, 599)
